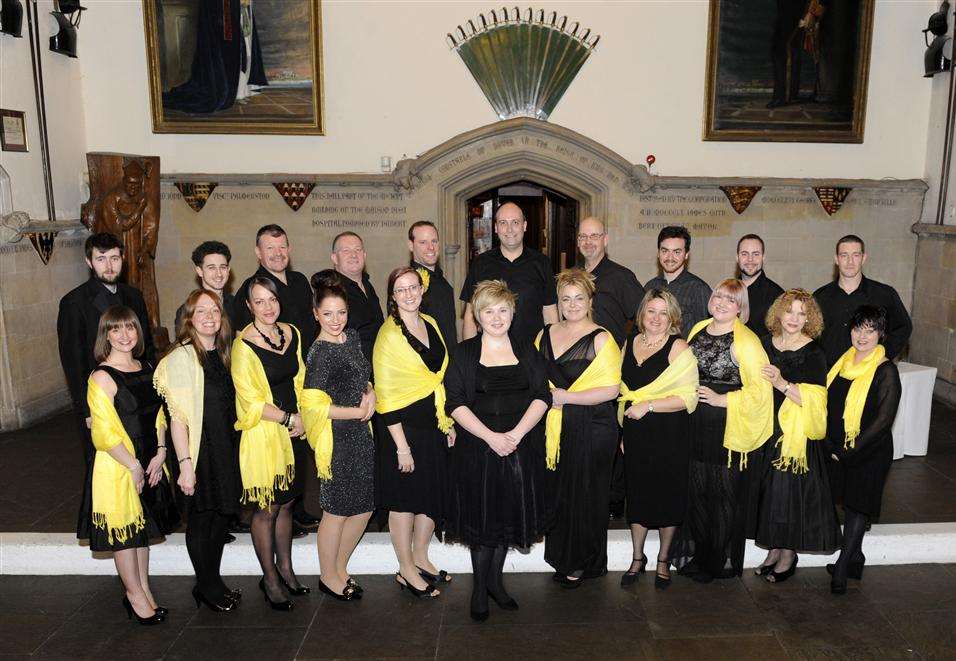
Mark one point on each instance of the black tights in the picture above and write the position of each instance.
(854, 527)
(205, 538)
(487, 565)
(271, 531)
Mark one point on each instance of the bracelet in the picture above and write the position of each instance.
(787, 389)
(185, 459)
(403, 452)
(285, 420)
(160, 447)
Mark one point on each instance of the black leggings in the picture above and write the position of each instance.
(487, 564)
(205, 538)
(854, 527)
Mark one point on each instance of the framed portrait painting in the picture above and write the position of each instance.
(788, 70)
(235, 66)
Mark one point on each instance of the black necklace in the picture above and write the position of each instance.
(275, 347)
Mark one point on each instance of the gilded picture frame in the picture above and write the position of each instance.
(792, 71)
(235, 66)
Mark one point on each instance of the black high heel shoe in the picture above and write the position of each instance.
(441, 577)
(662, 582)
(153, 619)
(200, 598)
(630, 577)
(430, 591)
(295, 592)
(286, 605)
(348, 594)
(780, 577)
(854, 570)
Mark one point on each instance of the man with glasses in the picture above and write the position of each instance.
(365, 310)
(527, 272)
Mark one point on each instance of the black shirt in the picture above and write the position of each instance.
(438, 302)
(762, 292)
(692, 295)
(529, 276)
(228, 303)
(295, 302)
(616, 298)
(838, 307)
(365, 312)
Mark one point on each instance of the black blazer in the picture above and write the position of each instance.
(76, 326)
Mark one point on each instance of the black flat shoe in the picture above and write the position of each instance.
(441, 577)
(162, 612)
(348, 594)
(569, 583)
(430, 591)
(153, 619)
(286, 605)
(352, 583)
(505, 604)
(200, 598)
(631, 575)
(854, 570)
(662, 582)
(479, 616)
(296, 592)
(780, 577)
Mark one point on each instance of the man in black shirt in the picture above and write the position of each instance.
(692, 293)
(365, 311)
(527, 272)
(211, 259)
(839, 299)
(438, 301)
(295, 293)
(618, 294)
(761, 290)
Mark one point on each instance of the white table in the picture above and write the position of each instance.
(911, 428)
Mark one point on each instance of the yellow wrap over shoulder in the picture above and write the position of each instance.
(266, 461)
(401, 377)
(180, 381)
(798, 423)
(750, 409)
(314, 406)
(678, 380)
(116, 505)
(604, 371)
(861, 375)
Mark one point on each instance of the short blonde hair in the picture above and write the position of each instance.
(814, 326)
(576, 277)
(738, 290)
(673, 309)
(489, 292)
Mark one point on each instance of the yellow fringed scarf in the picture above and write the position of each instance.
(116, 505)
(678, 380)
(314, 406)
(799, 423)
(861, 375)
(750, 409)
(266, 461)
(401, 377)
(180, 381)
(604, 371)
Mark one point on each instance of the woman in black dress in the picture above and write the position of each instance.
(411, 480)
(268, 373)
(794, 509)
(863, 394)
(337, 403)
(193, 379)
(583, 363)
(497, 394)
(658, 389)
(130, 505)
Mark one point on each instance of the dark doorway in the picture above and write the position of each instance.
(552, 220)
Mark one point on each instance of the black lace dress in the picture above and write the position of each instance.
(136, 403)
(342, 372)
(422, 491)
(794, 511)
(579, 489)
(712, 539)
(656, 450)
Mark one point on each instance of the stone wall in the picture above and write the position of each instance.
(934, 306)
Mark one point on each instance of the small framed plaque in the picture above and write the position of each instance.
(13, 130)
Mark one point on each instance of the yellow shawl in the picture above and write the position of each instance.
(604, 371)
(750, 409)
(179, 380)
(678, 380)
(401, 377)
(266, 461)
(314, 406)
(799, 423)
(861, 375)
(116, 505)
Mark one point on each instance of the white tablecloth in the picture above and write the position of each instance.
(911, 428)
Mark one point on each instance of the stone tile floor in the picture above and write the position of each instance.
(896, 612)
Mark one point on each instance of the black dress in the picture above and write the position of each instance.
(218, 485)
(794, 511)
(579, 489)
(281, 370)
(858, 478)
(656, 450)
(711, 540)
(494, 500)
(423, 490)
(136, 403)
(342, 371)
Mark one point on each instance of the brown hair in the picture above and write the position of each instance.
(116, 316)
(392, 277)
(673, 309)
(738, 290)
(189, 335)
(814, 325)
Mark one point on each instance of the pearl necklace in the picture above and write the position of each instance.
(651, 345)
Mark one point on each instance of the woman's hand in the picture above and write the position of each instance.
(187, 478)
(370, 394)
(154, 471)
(636, 411)
(406, 464)
(451, 437)
(139, 477)
(502, 444)
(298, 427)
(772, 374)
(709, 397)
(515, 436)
(559, 397)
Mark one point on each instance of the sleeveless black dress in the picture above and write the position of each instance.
(656, 449)
(136, 403)
(579, 489)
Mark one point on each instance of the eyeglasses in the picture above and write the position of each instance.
(590, 237)
(411, 289)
